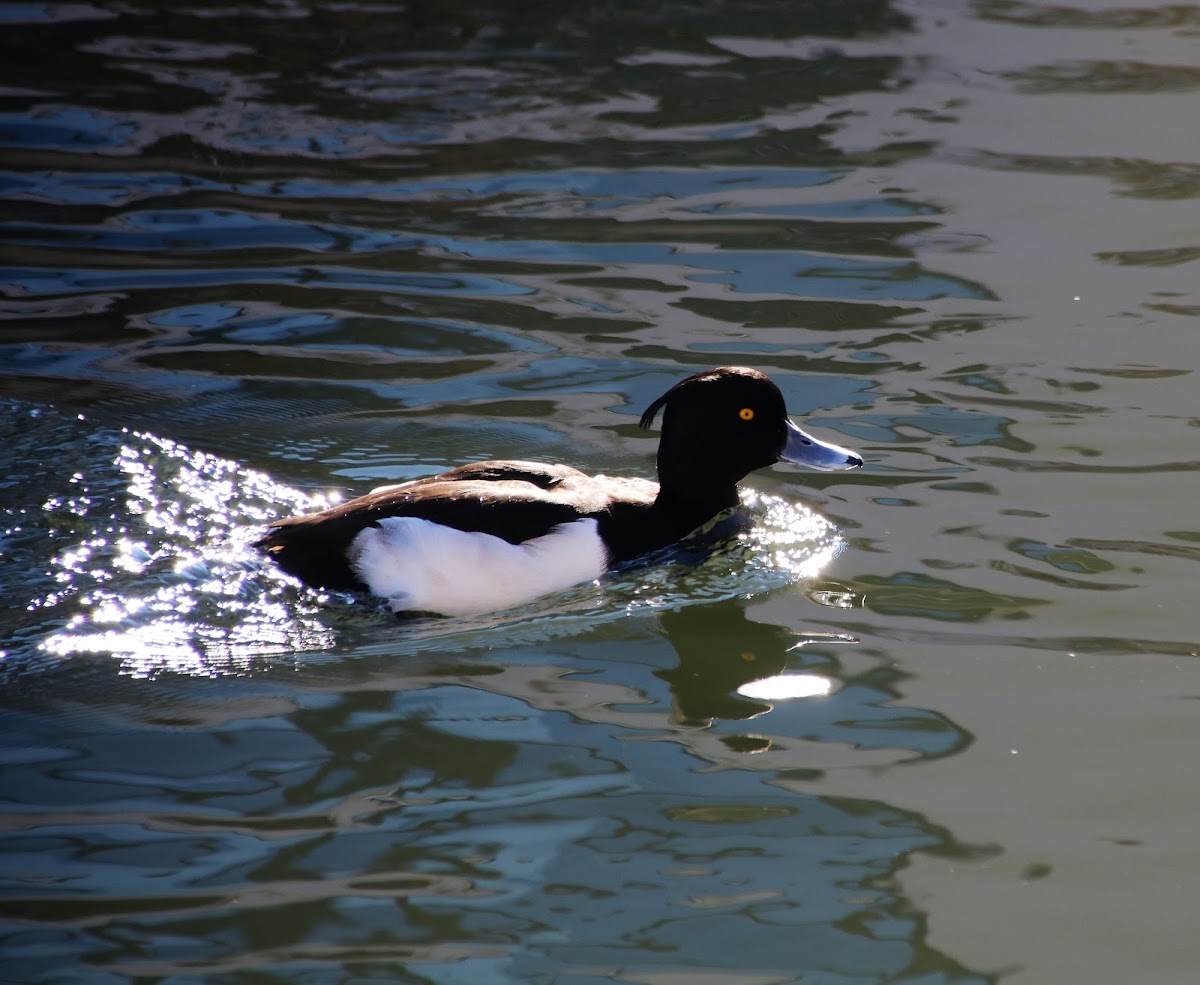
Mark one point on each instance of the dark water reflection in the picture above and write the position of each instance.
(258, 254)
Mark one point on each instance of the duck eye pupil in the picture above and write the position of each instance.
(746, 413)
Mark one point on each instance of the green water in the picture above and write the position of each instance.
(930, 721)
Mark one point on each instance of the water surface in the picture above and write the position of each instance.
(929, 721)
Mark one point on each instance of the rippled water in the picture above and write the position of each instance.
(930, 721)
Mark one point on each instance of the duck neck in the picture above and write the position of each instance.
(690, 509)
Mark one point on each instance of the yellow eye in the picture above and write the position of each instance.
(746, 413)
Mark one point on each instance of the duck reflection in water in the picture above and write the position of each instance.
(723, 655)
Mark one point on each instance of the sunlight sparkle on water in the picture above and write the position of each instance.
(169, 580)
(784, 543)
(797, 540)
(785, 686)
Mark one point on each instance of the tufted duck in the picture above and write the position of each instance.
(496, 534)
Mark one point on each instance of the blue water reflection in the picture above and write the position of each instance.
(244, 325)
(760, 271)
(68, 128)
(592, 191)
(34, 281)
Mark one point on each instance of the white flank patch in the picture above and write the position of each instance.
(421, 566)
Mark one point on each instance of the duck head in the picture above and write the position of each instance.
(720, 425)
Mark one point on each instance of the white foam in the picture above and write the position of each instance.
(421, 566)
